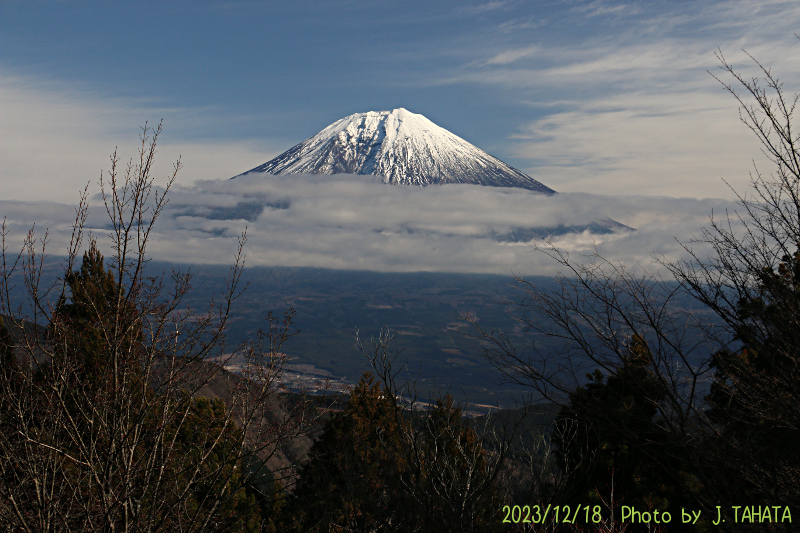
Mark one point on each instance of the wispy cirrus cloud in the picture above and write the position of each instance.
(494, 5)
(633, 107)
(512, 56)
(599, 9)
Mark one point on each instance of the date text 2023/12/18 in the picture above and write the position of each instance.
(586, 514)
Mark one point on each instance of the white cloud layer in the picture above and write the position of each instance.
(58, 137)
(348, 222)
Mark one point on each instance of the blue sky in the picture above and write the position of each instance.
(589, 97)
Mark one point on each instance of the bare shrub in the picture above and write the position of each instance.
(103, 427)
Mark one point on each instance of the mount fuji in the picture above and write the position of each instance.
(398, 147)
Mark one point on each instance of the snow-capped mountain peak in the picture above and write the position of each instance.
(400, 148)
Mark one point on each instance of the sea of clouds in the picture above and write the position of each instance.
(350, 222)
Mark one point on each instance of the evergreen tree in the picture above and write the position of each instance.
(351, 481)
(608, 435)
(8, 362)
(9, 379)
(207, 440)
(377, 467)
(97, 322)
(756, 391)
(453, 481)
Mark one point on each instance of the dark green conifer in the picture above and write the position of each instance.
(351, 481)
(8, 362)
(609, 435)
(97, 321)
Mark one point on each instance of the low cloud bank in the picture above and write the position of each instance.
(349, 222)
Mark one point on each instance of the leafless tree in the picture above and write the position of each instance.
(589, 322)
(751, 281)
(738, 339)
(133, 447)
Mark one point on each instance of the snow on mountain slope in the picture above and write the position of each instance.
(399, 147)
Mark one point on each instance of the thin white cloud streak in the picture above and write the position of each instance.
(512, 56)
(347, 222)
(487, 7)
(596, 9)
(58, 137)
